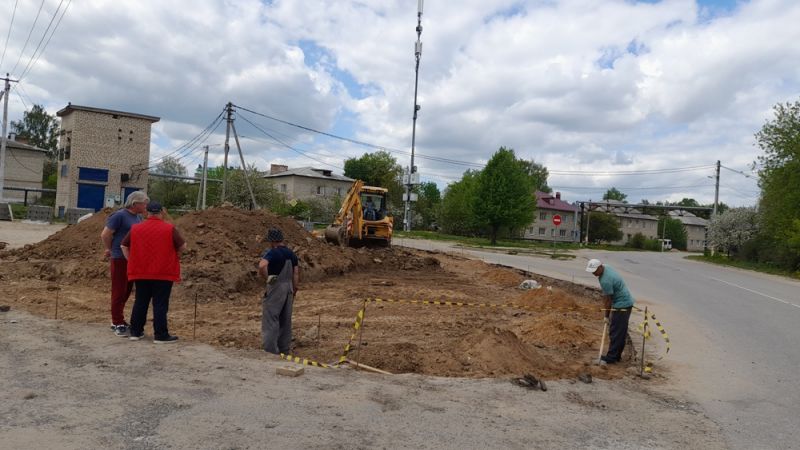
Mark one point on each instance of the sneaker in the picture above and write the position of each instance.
(136, 337)
(166, 340)
(121, 330)
(605, 359)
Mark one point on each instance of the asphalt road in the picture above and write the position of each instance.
(735, 334)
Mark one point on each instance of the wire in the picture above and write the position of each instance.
(207, 131)
(631, 188)
(20, 163)
(739, 172)
(8, 37)
(30, 66)
(16, 91)
(473, 164)
(29, 37)
(285, 144)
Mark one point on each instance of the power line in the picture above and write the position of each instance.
(29, 37)
(16, 91)
(285, 144)
(29, 67)
(746, 175)
(631, 188)
(473, 164)
(204, 134)
(8, 37)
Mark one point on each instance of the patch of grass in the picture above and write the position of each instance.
(19, 210)
(748, 265)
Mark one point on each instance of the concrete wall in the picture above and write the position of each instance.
(304, 188)
(23, 170)
(696, 237)
(631, 226)
(117, 143)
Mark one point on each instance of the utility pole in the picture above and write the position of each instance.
(716, 191)
(229, 119)
(4, 95)
(204, 185)
(412, 169)
(244, 167)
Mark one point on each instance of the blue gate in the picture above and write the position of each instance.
(127, 192)
(91, 196)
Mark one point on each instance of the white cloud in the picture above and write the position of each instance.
(577, 84)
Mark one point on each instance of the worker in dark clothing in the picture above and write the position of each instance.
(280, 267)
(618, 303)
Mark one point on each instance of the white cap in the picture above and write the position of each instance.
(593, 265)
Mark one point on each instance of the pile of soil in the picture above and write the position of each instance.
(224, 247)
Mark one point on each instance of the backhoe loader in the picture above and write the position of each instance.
(363, 219)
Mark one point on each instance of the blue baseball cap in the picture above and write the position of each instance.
(154, 207)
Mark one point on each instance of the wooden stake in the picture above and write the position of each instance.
(57, 304)
(360, 332)
(644, 339)
(194, 321)
(368, 368)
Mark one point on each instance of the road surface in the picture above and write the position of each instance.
(735, 334)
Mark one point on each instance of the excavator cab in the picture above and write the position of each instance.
(363, 219)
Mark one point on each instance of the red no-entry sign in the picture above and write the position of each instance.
(556, 220)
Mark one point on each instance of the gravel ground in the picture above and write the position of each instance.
(71, 385)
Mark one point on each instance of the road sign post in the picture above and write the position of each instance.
(556, 222)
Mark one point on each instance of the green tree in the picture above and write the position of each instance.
(779, 177)
(603, 227)
(689, 202)
(428, 204)
(267, 196)
(457, 215)
(614, 194)
(674, 231)
(538, 174)
(503, 195)
(39, 128)
(172, 192)
(379, 169)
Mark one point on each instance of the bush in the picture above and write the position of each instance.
(652, 245)
(637, 241)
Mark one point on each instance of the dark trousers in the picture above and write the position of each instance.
(120, 289)
(618, 333)
(158, 291)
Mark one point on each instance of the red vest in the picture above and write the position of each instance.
(152, 252)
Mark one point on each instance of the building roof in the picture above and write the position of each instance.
(621, 209)
(19, 145)
(688, 218)
(310, 172)
(70, 108)
(546, 200)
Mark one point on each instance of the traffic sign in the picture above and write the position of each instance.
(556, 220)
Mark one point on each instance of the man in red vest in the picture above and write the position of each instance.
(152, 248)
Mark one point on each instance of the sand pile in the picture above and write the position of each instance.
(224, 246)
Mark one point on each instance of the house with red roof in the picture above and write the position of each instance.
(543, 228)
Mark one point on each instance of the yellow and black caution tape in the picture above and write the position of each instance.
(305, 361)
(356, 327)
(662, 331)
(481, 305)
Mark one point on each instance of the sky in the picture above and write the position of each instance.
(644, 96)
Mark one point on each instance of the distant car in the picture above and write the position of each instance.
(666, 244)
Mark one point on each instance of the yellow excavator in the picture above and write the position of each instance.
(363, 219)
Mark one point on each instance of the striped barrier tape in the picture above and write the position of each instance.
(306, 362)
(661, 330)
(644, 329)
(467, 304)
(356, 326)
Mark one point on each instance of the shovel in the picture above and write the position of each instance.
(603, 339)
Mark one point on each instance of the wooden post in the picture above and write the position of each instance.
(360, 332)
(194, 321)
(644, 339)
(57, 303)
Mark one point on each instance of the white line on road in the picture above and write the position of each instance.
(756, 292)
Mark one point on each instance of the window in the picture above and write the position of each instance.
(541, 231)
(562, 233)
(320, 190)
(530, 230)
(339, 191)
(283, 188)
(63, 171)
(542, 215)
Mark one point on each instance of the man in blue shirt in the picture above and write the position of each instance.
(117, 227)
(617, 297)
(280, 267)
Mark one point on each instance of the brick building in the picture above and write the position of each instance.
(542, 228)
(102, 156)
(696, 228)
(631, 221)
(306, 183)
(23, 169)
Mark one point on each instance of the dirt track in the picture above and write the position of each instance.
(71, 385)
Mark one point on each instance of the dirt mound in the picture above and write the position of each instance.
(560, 330)
(499, 351)
(548, 299)
(224, 245)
